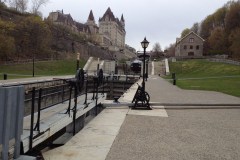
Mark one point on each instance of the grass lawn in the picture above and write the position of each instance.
(47, 68)
(205, 75)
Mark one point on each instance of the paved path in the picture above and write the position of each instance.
(120, 134)
(164, 92)
(184, 134)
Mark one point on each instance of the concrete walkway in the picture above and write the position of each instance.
(163, 92)
(122, 133)
(184, 134)
(94, 141)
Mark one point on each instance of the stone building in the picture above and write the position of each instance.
(60, 18)
(110, 33)
(190, 45)
(90, 27)
(93, 28)
(112, 30)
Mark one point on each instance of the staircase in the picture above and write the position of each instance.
(107, 66)
(159, 68)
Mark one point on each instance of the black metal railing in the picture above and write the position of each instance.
(61, 93)
(42, 98)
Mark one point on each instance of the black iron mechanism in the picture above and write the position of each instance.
(76, 84)
(141, 99)
(141, 95)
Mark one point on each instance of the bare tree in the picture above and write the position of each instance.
(185, 32)
(19, 5)
(170, 50)
(37, 4)
(13, 4)
(157, 47)
(195, 28)
(157, 50)
(22, 5)
(3, 1)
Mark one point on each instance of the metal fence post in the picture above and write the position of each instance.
(86, 91)
(6, 119)
(5, 76)
(103, 83)
(174, 78)
(32, 118)
(11, 119)
(75, 109)
(96, 97)
(19, 120)
(63, 93)
(37, 126)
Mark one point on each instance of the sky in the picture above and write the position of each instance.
(160, 21)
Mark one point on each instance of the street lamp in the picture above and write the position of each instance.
(147, 60)
(33, 67)
(144, 44)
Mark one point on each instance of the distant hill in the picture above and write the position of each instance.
(27, 36)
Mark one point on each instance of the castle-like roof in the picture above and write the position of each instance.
(111, 17)
(64, 17)
(122, 19)
(108, 13)
(91, 17)
(178, 40)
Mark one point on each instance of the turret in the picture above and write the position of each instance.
(91, 17)
(122, 21)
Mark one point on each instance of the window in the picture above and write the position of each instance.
(190, 53)
(191, 47)
(197, 47)
(184, 47)
(191, 40)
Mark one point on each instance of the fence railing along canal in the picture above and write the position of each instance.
(41, 98)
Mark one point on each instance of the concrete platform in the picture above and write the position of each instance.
(94, 141)
(155, 112)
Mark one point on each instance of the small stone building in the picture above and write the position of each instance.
(190, 45)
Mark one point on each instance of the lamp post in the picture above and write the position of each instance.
(144, 44)
(33, 67)
(78, 58)
(98, 65)
(147, 69)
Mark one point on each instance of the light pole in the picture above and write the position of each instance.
(33, 67)
(144, 44)
(147, 69)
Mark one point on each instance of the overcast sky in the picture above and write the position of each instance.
(159, 20)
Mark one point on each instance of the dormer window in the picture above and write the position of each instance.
(106, 18)
(191, 40)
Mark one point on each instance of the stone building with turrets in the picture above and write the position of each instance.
(113, 31)
(110, 33)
